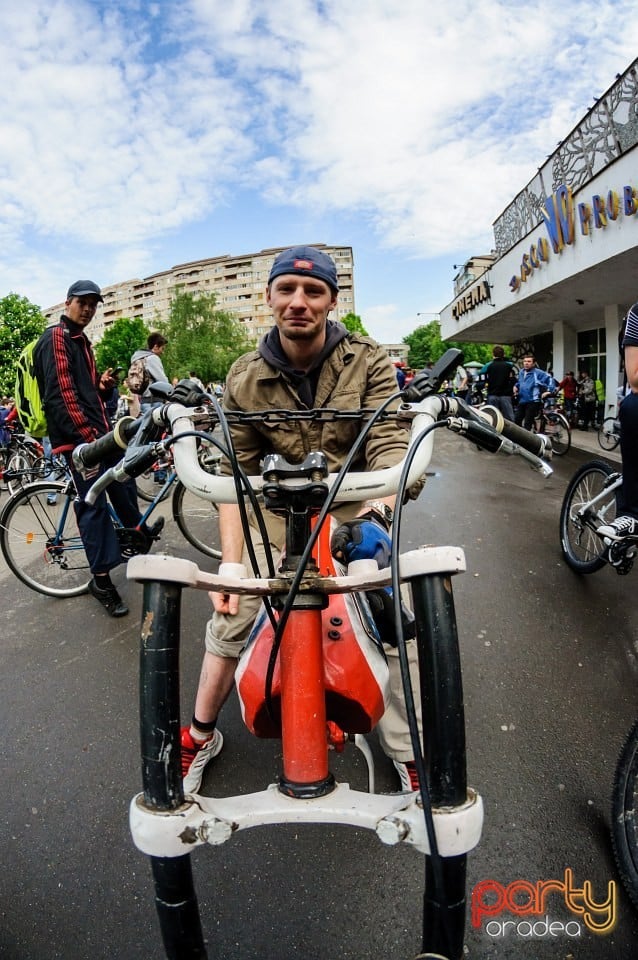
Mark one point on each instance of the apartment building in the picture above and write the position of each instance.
(238, 282)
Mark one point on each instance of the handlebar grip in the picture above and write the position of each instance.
(89, 455)
(535, 443)
(100, 484)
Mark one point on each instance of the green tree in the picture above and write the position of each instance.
(352, 322)
(201, 338)
(119, 343)
(426, 346)
(20, 322)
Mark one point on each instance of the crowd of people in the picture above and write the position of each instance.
(305, 360)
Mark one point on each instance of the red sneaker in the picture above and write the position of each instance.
(195, 756)
(407, 775)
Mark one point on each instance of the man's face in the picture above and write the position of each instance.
(300, 305)
(81, 310)
(528, 363)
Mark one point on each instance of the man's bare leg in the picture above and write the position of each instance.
(215, 683)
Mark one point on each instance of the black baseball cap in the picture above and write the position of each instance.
(84, 288)
(307, 261)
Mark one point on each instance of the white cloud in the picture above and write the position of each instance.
(123, 123)
(427, 119)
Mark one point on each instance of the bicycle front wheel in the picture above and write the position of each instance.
(40, 540)
(608, 435)
(624, 823)
(559, 433)
(198, 521)
(583, 550)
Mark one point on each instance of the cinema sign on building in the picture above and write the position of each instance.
(565, 266)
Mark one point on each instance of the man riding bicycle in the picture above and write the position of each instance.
(306, 361)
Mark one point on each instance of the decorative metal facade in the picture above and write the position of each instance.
(605, 133)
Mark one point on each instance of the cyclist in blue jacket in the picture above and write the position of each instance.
(532, 386)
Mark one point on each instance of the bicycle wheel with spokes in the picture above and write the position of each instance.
(19, 472)
(624, 823)
(559, 433)
(198, 520)
(153, 483)
(584, 551)
(608, 434)
(40, 540)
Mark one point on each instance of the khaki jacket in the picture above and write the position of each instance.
(358, 373)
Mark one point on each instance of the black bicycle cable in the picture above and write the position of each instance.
(436, 859)
(242, 484)
(314, 536)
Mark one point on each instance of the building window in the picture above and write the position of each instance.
(592, 351)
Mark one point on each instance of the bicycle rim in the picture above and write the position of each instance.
(624, 823)
(583, 550)
(148, 489)
(19, 465)
(41, 543)
(561, 435)
(198, 521)
(608, 438)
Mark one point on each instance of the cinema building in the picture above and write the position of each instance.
(564, 269)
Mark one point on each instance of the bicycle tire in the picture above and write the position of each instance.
(198, 520)
(20, 465)
(608, 437)
(624, 823)
(561, 435)
(443, 724)
(148, 489)
(41, 543)
(582, 548)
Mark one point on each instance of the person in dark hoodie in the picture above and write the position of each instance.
(305, 361)
(73, 395)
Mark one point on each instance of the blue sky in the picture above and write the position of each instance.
(136, 135)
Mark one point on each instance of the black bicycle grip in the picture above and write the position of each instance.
(533, 442)
(482, 435)
(89, 455)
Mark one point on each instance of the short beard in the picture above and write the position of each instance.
(298, 334)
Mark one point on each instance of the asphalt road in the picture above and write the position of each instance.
(550, 664)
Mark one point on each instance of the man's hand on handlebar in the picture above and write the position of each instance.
(361, 539)
(188, 394)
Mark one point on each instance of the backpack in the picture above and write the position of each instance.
(138, 377)
(27, 395)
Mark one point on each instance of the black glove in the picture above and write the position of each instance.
(361, 539)
(188, 394)
(382, 609)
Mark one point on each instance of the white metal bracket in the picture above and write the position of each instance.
(395, 818)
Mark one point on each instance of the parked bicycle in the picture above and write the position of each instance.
(19, 459)
(41, 543)
(609, 433)
(552, 422)
(589, 502)
(314, 671)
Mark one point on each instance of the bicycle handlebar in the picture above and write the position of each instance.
(375, 483)
(487, 428)
(90, 455)
(535, 443)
